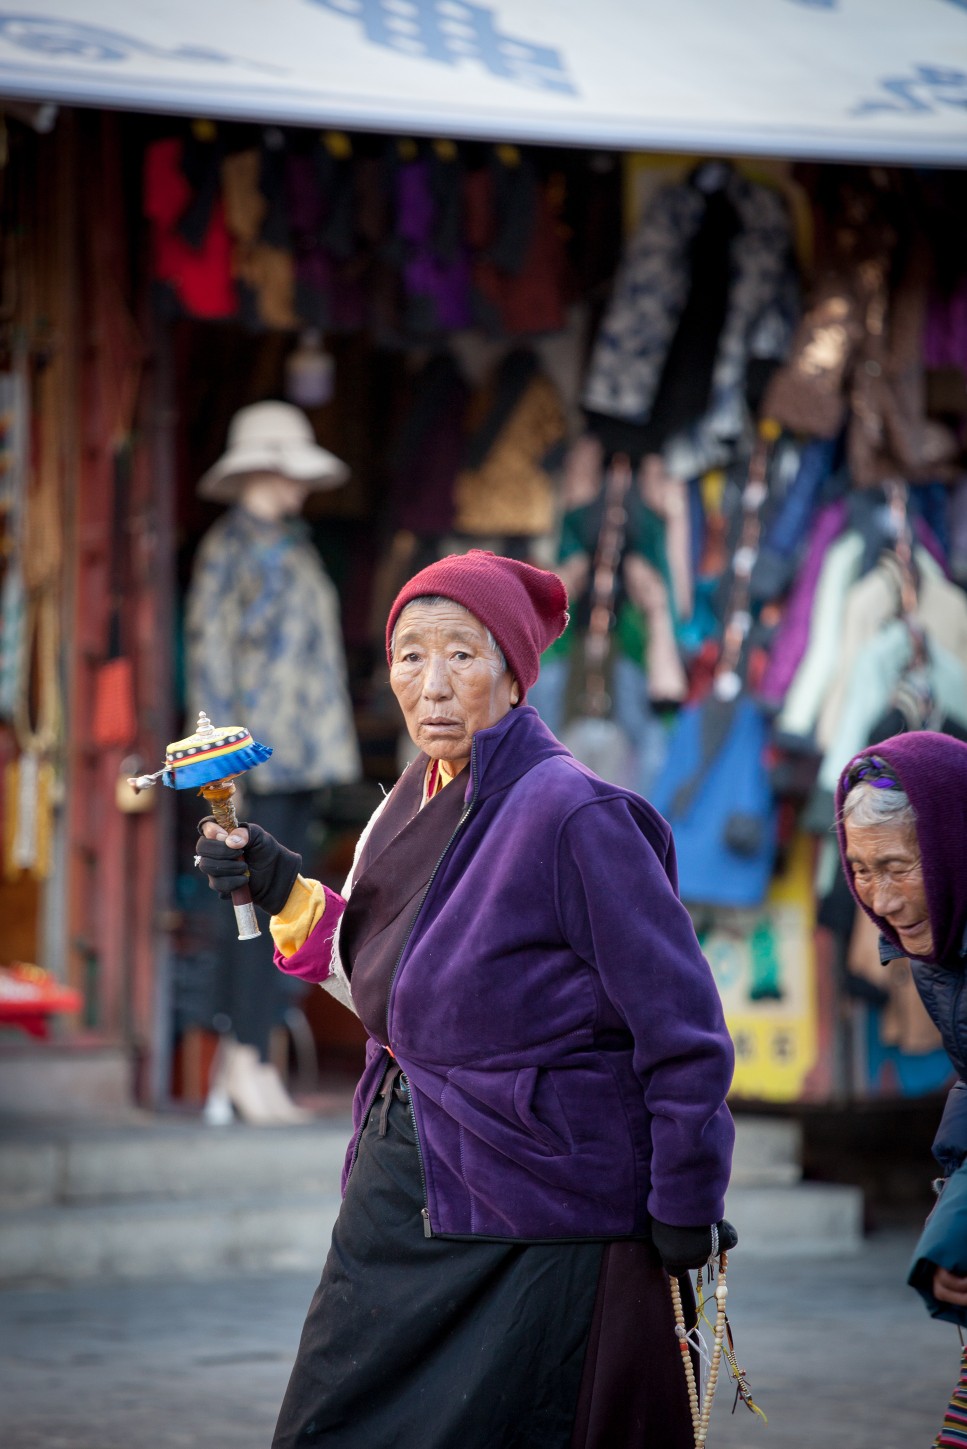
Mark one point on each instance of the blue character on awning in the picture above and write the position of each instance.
(451, 31)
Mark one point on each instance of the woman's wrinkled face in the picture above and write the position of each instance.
(887, 874)
(448, 680)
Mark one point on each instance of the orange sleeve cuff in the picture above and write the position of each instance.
(299, 916)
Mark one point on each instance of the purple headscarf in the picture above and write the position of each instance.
(931, 769)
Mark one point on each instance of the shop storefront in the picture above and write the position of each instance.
(482, 292)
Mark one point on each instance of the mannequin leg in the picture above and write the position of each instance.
(252, 994)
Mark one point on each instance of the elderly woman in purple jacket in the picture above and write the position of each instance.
(541, 1132)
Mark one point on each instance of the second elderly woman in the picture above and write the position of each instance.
(540, 1128)
(902, 821)
(902, 813)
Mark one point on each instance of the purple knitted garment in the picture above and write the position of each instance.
(932, 769)
(792, 635)
(945, 335)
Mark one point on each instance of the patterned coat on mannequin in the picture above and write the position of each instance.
(264, 646)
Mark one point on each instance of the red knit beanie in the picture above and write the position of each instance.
(523, 607)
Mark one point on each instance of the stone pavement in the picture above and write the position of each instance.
(839, 1353)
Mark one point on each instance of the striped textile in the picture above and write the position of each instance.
(953, 1433)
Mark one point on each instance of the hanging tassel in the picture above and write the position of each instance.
(29, 824)
(114, 721)
(10, 796)
(739, 1377)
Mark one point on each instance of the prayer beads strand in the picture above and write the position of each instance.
(701, 1415)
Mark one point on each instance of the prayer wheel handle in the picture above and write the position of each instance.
(219, 796)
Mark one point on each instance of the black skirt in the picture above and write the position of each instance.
(428, 1343)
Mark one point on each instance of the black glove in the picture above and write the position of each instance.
(265, 866)
(682, 1249)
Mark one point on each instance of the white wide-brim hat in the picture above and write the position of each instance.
(271, 437)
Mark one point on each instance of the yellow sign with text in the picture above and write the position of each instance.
(764, 966)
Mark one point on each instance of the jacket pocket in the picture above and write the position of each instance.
(539, 1109)
(514, 1110)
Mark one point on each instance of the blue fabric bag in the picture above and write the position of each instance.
(714, 791)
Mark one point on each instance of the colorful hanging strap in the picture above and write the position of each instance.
(953, 1434)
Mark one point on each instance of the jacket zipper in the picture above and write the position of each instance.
(424, 1211)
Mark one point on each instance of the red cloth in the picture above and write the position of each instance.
(530, 299)
(201, 278)
(525, 608)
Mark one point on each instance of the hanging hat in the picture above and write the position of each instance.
(271, 437)
(525, 608)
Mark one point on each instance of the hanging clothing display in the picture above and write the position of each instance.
(857, 353)
(792, 636)
(413, 241)
(436, 267)
(635, 348)
(519, 269)
(428, 450)
(871, 604)
(262, 261)
(330, 264)
(504, 488)
(840, 568)
(196, 269)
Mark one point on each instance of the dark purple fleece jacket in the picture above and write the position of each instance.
(561, 1031)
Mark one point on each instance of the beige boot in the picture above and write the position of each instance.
(218, 1111)
(283, 1108)
(245, 1085)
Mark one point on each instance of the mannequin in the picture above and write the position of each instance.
(271, 497)
(264, 648)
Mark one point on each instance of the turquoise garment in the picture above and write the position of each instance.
(943, 1244)
(875, 675)
(645, 535)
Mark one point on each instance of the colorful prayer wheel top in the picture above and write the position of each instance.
(211, 754)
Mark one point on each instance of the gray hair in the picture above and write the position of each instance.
(865, 805)
(442, 599)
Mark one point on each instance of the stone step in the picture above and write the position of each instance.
(154, 1159)
(79, 1080)
(768, 1151)
(809, 1219)
(201, 1237)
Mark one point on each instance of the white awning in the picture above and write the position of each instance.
(865, 79)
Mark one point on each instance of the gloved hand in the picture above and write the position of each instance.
(682, 1249)
(265, 866)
